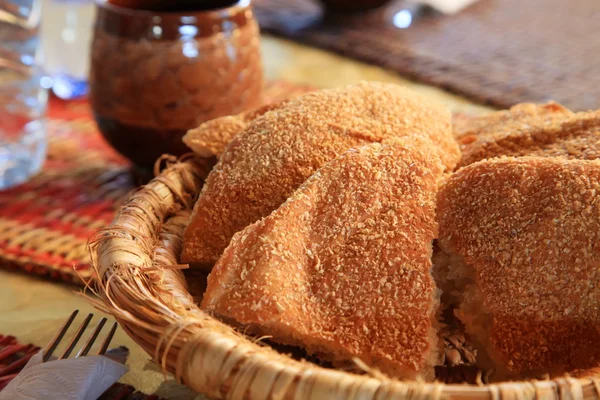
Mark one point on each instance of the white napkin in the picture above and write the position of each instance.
(84, 378)
(448, 6)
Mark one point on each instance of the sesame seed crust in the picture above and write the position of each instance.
(278, 151)
(527, 229)
(547, 130)
(342, 268)
(212, 137)
(518, 117)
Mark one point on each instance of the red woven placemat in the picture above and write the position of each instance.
(13, 357)
(46, 222)
(499, 52)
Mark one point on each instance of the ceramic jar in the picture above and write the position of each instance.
(155, 73)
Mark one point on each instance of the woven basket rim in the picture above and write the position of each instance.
(141, 285)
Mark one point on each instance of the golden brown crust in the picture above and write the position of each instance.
(547, 130)
(342, 268)
(528, 229)
(518, 117)
(278, 151)
(212, 137)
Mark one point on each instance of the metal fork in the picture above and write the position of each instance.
(51, 347)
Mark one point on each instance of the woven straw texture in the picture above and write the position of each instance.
(498, 52)
(143, 286)
(45, 223)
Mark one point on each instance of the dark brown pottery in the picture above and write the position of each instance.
(156, 72)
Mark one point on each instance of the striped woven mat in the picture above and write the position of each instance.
(498, 52)
(46, 222)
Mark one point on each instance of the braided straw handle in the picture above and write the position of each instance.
(141, 284)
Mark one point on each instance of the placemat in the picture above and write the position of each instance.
(14, 356)
(498, 52)
(46, 222)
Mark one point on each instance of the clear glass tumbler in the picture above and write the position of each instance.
(23, 96)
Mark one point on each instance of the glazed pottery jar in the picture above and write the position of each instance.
(160, 68)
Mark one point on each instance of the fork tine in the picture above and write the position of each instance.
(77, 336)
(106, 342)
(90, 342)
(52, 345)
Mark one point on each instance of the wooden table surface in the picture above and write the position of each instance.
(33, 309)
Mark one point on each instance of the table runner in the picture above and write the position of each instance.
(46, 222)
(498, 52)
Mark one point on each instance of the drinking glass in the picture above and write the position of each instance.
(23, 97)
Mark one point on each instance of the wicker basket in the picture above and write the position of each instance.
(141, 284)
